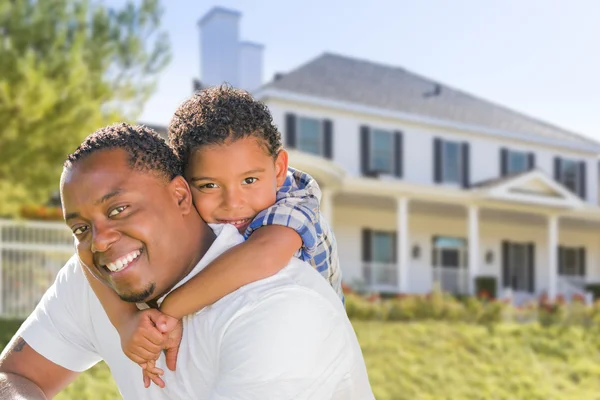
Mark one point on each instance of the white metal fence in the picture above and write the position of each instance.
(31, 254)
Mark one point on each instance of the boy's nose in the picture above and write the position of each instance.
(233, 199)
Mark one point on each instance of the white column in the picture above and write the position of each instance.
(327, 205)
(473, 247)
(403, 236)
(552, 256)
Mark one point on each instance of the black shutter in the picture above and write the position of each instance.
(531, 267)
(582, 180)
(398, 154)
(466, 166)
(328, 138)
(531, 160)
(503, 162)
(365, 152)
(437, 160)
(505, 264)
(290, 130)
(582, 261)
(557, 168)
(366, 245)
(560, 263)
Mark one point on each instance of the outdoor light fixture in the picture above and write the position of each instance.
(416, 252)
(489, 257)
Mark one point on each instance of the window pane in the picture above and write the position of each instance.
(571, 266)
(570, 174)
(451, 162)
(517, 162)
(381, 152)
(450, 258)
(383, 247)
(309, 135)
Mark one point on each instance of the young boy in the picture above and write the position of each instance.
(238, 173)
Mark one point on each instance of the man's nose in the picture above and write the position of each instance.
(103, 236)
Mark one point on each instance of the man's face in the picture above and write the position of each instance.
(126, 224)
(232, 182)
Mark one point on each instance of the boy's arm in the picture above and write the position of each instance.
(274, 237)
(265, 253)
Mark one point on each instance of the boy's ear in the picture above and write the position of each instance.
(181, 193)
(281, 166)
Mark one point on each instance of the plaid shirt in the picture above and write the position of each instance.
(297, 207)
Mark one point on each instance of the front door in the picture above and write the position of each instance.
(449, 264)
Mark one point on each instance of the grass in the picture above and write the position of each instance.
(446, 360)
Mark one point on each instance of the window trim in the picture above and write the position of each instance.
(391, 149)
(321, 140)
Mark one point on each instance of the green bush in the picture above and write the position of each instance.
(485, 286)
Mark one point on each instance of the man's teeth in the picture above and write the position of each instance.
(122, 262)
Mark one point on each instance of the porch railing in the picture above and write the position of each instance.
(452, 280)
(382, 277)
(31, 254)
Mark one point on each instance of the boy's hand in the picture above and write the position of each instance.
(141, 340)
(152, 374)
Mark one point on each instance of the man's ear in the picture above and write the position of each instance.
(281, 167)
(182, 193)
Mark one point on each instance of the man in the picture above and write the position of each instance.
(284, 337)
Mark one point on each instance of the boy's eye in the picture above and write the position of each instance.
(79, 230)
(117, 211)
(250, 181)
(208, 186)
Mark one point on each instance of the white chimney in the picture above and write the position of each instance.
(223, 57)
(251, 63)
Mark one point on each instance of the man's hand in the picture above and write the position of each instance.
(173, 335)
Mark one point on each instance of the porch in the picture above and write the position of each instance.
(532, 237)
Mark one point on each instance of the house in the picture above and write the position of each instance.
(425, 183)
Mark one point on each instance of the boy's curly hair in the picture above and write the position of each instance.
(220, 113)
(147, 150)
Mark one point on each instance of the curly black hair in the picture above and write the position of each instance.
(220, 113)
(147, 150)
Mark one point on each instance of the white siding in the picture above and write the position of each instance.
(418, 147)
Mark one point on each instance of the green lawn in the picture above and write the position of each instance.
(442, 360)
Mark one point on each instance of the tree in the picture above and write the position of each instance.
(67, 68)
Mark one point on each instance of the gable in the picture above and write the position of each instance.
(533, 187)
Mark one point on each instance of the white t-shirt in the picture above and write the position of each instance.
(284, 337)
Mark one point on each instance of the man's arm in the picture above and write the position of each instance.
(291, 344)
(25, 374)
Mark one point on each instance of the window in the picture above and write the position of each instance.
(518, 161)
(570, 262)
(309, 135)
(569, 174)
(451, 162)
(382, 151)
(383, 247)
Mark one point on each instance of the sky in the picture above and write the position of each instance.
(539, 57)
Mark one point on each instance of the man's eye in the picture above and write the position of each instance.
(117, 211)
(208, 186)
(250, 181)
(79, 230)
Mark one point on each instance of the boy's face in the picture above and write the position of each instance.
(234, 181)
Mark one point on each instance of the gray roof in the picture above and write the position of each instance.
(363, 82)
